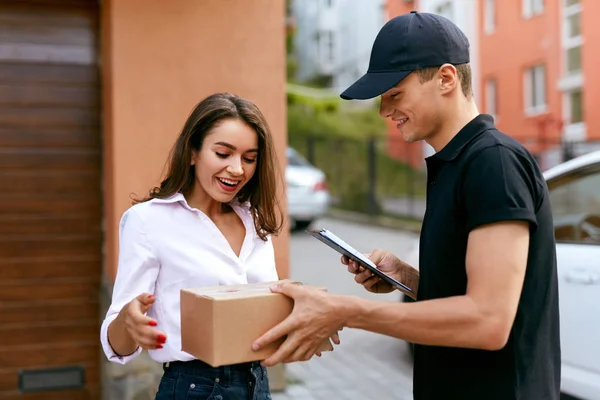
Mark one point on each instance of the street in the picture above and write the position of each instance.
(364, 365)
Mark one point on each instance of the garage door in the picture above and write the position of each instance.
(50, 200)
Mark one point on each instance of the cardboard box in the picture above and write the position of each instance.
(220, 323)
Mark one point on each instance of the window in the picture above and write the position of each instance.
(330, 47)
(326, 47)
(575, 200)
(572, 39)
(574, 59)
(491, 97)
(572, 78)
(573, 26)
(535, 90)
(532, 8)
(489, 16)
(575, 105)
(445, 10)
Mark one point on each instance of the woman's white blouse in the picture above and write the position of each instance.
(164, 246)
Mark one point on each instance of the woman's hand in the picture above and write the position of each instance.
(132, 328)
(139, 326)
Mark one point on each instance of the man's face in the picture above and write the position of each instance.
(414, 107)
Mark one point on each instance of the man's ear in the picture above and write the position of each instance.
(448, 78)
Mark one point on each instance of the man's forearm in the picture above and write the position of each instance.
(454, 322)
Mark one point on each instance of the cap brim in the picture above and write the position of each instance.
(373, 84)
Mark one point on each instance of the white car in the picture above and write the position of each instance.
(575, 197)
(307, 193)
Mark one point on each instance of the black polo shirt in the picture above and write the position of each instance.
(484, 176)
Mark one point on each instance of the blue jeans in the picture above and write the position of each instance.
(196, 380)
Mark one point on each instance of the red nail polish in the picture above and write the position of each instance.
(150, 296)
(161, 338)
(158, 346)
(152, 323)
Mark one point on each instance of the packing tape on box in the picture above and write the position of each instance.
(228, 291)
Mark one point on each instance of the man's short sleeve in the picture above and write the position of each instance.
(499, 185)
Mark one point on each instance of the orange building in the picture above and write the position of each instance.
(92, 96)
(534, 62)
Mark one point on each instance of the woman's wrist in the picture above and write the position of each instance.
(119, 338)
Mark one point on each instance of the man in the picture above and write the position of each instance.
(486, 322)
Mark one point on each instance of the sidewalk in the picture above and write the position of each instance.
(364, 366)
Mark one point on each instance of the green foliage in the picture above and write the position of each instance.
(356, 198)
(340, 142)
(325, 117)
(320, 81)
(291, 68)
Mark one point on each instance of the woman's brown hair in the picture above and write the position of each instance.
(260, 191)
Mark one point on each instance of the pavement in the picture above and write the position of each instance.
(365, 365)
(362, 367)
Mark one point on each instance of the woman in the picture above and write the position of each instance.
(209, 223)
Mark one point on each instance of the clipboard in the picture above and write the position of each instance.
(337, 244)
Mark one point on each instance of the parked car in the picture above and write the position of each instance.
(307, 193)
(575, 196)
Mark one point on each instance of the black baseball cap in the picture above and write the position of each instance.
(405, 43)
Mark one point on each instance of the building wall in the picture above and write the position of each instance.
(159, 59)
(591, 59)
(359, 23)
(352, 24)
(515, 45)
(504, 54)
(312, 19)
(152, 78)
(397, 7)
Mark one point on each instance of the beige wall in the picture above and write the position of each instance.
(159, 59)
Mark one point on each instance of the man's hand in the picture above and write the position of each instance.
(316, 317)
(388, 263)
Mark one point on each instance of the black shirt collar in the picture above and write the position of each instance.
(470, 131)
